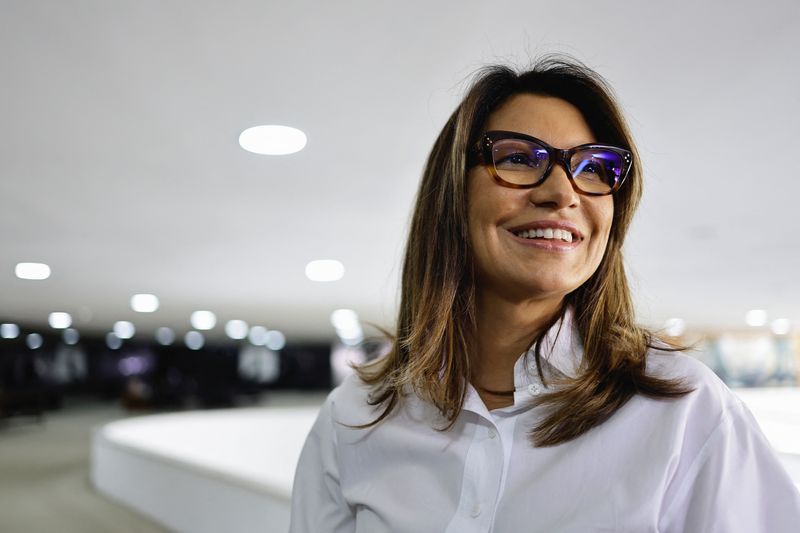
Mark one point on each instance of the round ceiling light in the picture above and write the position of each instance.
(237, 329)
(756, 317)
(203, 320)
(123, 329)
(144, 303)
(9, 331)
(325, 270)
(272, 140)
(37, 271)
(59, 320)
(165, 336)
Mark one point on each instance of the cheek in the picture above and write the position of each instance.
(603, 217)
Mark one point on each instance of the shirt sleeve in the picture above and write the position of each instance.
(736, 484)
(317, 502)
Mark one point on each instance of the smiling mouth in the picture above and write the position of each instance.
(548, 234)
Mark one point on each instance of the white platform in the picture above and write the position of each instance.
(204, 471)
(232, 470)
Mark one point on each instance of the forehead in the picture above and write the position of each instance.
(551, 119)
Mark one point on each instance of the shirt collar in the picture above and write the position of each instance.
(561, 349)
(561, 353)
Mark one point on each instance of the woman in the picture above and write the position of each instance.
(520, 395)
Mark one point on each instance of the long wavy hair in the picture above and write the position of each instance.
(436, 322)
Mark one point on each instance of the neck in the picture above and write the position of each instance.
(505, 329)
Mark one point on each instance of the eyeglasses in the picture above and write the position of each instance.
(520, 161)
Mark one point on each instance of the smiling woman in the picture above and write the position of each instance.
(498, 215)
(520, 394)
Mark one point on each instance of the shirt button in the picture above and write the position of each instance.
(475, 511)
(492, 433)
(534, 389)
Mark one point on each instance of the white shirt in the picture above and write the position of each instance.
(696, 464)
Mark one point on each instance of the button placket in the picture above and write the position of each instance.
(480, 510)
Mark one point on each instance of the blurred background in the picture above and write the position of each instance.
(151, 261)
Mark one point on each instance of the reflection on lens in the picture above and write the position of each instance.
(518, 161)
(596, 170)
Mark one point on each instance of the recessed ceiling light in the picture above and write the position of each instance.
(113, 341)
(194, 340)
(675, 327)
(347, 326)
(781, 326)
(124, 329)
(34, 341)
(144, 303)
(165, 336)
(203, 320)
(59, 320)
(325, 270)
(344, 319)
(236, 329)
(756, 317)
(272, 140)
(275, 340)
(9, 331)
(71, 336)
(258, 335)
(36, 271)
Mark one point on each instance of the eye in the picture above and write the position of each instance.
(590, 167)
(518, 158)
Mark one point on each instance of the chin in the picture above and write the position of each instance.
(538, 289)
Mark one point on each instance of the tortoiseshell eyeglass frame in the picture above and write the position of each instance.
(481, 153)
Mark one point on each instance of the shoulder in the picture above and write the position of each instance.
(710, 408)
(707, 388)
(349, 402)
(353, 404)
(724, 474)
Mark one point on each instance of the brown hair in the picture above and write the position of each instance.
(436, 321)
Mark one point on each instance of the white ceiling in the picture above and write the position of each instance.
(120, 168)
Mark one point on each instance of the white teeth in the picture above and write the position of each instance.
(547, 233)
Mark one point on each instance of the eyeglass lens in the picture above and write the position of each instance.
(522, 162)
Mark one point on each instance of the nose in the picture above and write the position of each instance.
(555, 192)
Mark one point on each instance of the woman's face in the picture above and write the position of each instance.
(516, 267)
